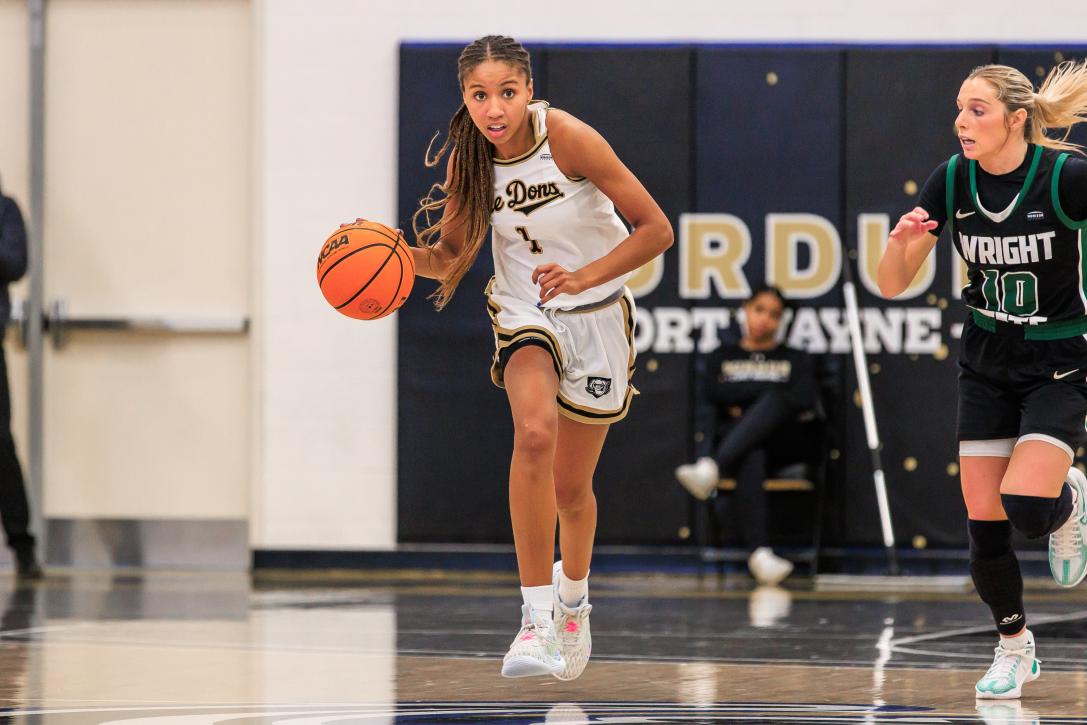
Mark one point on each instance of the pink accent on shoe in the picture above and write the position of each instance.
(571, 625)
(528, 635)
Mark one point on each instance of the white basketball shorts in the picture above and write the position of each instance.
(592, 348)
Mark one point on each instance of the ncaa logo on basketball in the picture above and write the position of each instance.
(598, 387)
(332, 246)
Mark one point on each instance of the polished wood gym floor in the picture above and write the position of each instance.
(404, 647)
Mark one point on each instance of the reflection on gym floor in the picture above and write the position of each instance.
(403, 647)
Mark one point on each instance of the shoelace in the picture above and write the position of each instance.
(1069, 540)
(1004, 664)
(537, 628)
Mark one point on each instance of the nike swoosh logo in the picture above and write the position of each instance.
(960, 215)
(1059, 376)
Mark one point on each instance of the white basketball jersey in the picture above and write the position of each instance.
(541, 216)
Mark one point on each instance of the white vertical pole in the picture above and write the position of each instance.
(860, 363)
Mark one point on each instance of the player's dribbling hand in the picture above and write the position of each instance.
(554, 280)
(912, 226)
(360, 220)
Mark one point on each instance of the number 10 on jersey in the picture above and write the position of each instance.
(533, 245)
(1013, 292)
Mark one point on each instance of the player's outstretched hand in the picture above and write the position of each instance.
(554, 280)
(912, 226)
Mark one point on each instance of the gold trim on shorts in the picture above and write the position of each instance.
(585, 414)
(504, 338)
(595, 416)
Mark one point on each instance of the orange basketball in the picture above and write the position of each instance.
(365, 270)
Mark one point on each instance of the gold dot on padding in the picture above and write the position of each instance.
(857, 398)
(699, 437)
(910, 464)
(1058, 56)
(920, 542)
(913, 357)
(910, 187)
(953, 469)
(931, 299)
(1040, 71)
(1079, 453)
(684, 532)
(874, 368)
(942, 304)
(941, 352)
(652, 365)
(835, 454)
(852, 253)
(771, 78)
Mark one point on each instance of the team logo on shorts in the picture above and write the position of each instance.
(1035, 216)
(598, 387)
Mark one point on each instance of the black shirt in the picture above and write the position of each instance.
(1020, 233)
(997, 191)
(731, 376)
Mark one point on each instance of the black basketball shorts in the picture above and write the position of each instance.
(1011, 389)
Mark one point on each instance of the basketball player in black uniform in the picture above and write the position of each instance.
(1015, 201)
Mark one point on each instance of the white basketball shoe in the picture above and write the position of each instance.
(767, 567)
(572, 627)
(535, 650)
(1067, 545)
(1011, 669)
(699, 478)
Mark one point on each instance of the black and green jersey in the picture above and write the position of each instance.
(1023, 247)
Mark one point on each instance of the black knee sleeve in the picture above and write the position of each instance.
(996, 575)
(1038, 516)
(989, 539)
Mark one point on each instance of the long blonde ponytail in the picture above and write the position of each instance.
(1058, 105)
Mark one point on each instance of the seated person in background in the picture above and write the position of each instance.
(752, 400)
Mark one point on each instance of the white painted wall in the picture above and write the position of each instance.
(328, 154)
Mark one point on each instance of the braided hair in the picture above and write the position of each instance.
(471, 180)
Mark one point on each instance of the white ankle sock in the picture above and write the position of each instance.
(572, 591)
(539, 598)
(1019, 641)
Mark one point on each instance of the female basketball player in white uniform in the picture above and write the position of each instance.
(548, 185)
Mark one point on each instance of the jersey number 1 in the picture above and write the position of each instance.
(534, 246)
